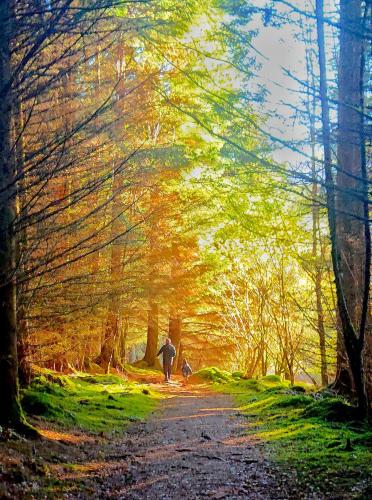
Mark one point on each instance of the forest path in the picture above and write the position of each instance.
(194, 446)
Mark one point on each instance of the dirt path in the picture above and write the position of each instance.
(194, 446)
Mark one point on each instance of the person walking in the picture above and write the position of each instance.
(186, 370)
(169, 353)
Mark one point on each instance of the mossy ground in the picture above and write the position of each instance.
(314, 436)
(141, 370)
(213, 374)
(95, 403)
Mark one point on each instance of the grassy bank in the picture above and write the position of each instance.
(93, 403)
(312, 432)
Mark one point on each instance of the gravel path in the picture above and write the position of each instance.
(195, 446)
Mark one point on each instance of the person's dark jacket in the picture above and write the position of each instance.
(169, 352)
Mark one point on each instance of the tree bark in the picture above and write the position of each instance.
(354, 232)
(10, 409)
(122, 346)
(263, 355)
(344, 230)
(349, 182)
(179, 358)
(24, 367)
(152, 334)
(317, 257)
(175, 328)
(366, 314)
(318, 280)
(105, 358)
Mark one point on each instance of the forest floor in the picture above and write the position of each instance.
(193, 445)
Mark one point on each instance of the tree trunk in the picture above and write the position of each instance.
(105, 358)
(24, 367)
(350, 229)
(152, 334)
(180, 357)
(263, 363)
(152, 288)
(321, 333)
(317, 257)
(366, 314)
(346, 230)
(318, 290)
(175, 324)
(10, 412)
(111, 335)
(122, 347)
(353, 232)
(263, 353)
(343, 383)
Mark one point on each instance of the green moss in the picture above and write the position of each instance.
(252, 385)
(292, 401)
(213, 374)
(37, 403)
(316, 437)
(332, 409)
(231, 385)
(43, 375)
(101, 379)
(141, 368)
(92, 403)
(276, 379)
(277, 390)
